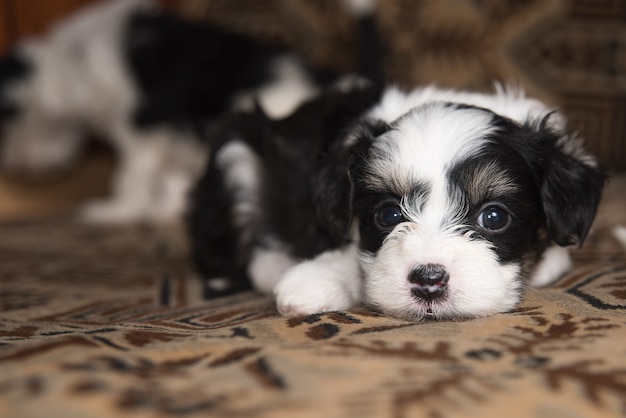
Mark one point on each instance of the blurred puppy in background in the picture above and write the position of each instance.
(151, 85)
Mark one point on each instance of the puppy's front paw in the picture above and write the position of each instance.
(306, 290)
(300, 297)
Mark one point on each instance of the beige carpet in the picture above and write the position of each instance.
(107, 322)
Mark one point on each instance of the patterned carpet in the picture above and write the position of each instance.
(107, 322)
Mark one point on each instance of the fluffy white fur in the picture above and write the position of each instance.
(507, 101)
(479, 285)
(329, 282)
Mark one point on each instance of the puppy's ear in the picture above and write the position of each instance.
(336, 179)
(570, 190)
(334, 194)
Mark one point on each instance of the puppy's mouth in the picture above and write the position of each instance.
(430, 314)
(421, 310)
(431, 308)
(430, 300)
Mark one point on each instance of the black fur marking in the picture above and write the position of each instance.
(338, 177)
(522, 235)
(368, 203)
(13, 67)
(556, 192)
(300, 155)
(187, 73)
(216, 252)
(570, 190)
(373, 52)
(366, 206)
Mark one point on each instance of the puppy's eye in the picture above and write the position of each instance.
(388, 216)
(494, 218)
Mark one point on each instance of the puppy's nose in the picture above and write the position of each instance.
(430, 280)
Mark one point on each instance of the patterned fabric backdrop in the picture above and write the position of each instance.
(570, 53)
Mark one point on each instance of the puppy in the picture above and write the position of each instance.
(423, 204)
(149, 84)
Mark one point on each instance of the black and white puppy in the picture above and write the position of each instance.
(423, 204)
(147, 82)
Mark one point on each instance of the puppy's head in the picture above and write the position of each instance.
(455, 205)
(32, 138)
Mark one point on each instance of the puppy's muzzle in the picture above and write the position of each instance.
(430, 281)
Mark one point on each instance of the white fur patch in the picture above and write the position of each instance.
(267, 266)
(329, 282)
(619, 232)
(360, 8)
(507, 101)
(80, 74)
(289, 87)
(155, 173)
(241, 169)
(555, 262)
(423, 144)
(218, 284)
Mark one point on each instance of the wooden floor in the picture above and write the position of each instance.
(29, 197)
